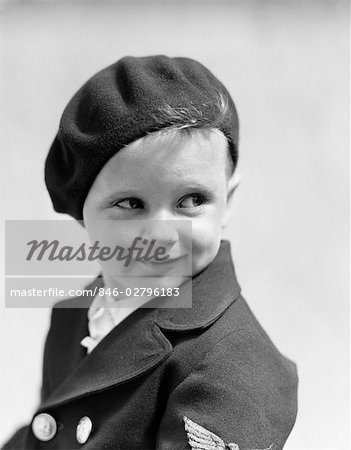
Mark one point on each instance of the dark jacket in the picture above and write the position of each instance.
(166, 378)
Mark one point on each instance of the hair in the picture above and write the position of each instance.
(191, 119)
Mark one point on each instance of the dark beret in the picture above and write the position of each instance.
(123, 103)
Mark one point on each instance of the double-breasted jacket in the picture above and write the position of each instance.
(166, 378)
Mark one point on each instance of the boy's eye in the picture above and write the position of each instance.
(191, 201)
(129, 203)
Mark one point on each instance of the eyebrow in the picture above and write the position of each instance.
(198, 186)
(204, 185)
(123, 193)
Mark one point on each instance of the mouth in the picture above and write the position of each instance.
(167, 262)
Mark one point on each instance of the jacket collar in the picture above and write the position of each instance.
(213, 290)
(137, 344)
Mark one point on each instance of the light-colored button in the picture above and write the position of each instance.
(84, 427)
(44, 427)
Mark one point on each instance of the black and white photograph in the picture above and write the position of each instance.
(175, 233)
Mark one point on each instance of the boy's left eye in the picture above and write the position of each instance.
(191, 201)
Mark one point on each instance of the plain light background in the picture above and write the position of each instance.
(286, 65)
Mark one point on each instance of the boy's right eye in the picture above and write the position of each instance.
(129, 203)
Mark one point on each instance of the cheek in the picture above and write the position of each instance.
(207, 233)
(112, 234)
(207, 226)
(206, 236)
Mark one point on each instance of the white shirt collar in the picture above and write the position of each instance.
(105, 313)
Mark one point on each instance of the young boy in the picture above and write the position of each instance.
(154, 140)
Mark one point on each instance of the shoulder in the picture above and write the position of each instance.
(238, 384)
(237, 341)
(234, 347)
(243, 359)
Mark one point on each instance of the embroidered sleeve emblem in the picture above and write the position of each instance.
(201, 439)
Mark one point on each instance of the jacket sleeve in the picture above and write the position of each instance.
(243, 392)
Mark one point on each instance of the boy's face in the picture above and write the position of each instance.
(174, 176)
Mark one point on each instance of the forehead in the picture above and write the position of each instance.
(199, 154)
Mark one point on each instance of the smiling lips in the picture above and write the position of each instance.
(168, 261)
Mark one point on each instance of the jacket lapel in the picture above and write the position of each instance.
(137, 344)
(213, 290)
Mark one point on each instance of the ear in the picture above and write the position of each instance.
(232, 184)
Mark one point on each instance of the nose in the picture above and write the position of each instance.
(163, 231)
